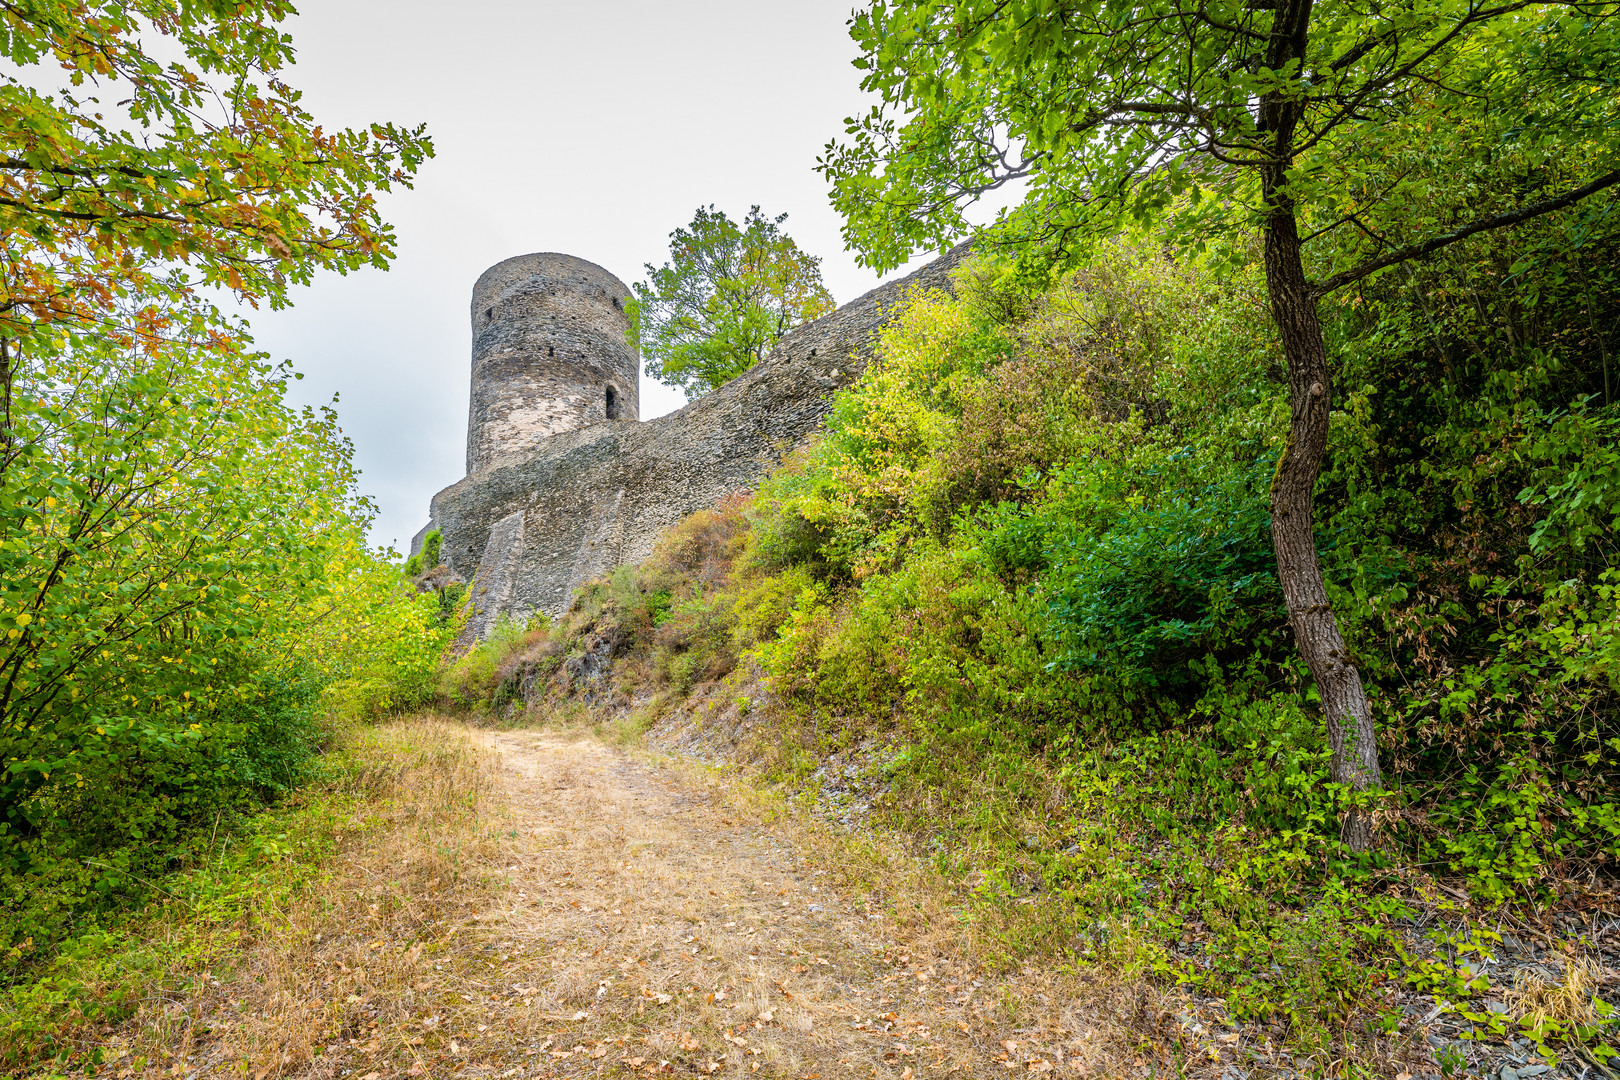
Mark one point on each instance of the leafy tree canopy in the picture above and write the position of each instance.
(1390, 127)
(154, 168)
(726, 296)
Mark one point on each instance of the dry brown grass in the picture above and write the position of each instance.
(579, 910)
(347, 957)
(1566, 1002)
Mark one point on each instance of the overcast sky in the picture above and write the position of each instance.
(587, 128)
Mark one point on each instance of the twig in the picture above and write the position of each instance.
(137, 877)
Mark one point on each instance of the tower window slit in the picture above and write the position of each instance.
(612, 403)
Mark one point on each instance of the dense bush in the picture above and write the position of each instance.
(1125, 588)
(188, 602)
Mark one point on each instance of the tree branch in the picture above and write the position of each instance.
(1353, 102)
(1203, 16)
(1497, 221)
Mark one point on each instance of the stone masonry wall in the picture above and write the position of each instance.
(530, 529)
(549, 354)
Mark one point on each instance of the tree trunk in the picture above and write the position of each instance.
(6, 377)
(1316, 628)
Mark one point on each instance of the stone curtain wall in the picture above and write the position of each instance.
(532, 528)
(549, 339)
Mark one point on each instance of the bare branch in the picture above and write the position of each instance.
(1203, 16)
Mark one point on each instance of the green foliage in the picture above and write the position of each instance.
(1580, 482)
(726, 296)
(1380, 128)
(475, 677)
(1346, 138)
(187, 601)
(1474, 531)
(174, 146)
(187, 595)
(431, 543)
(383, 642)
(1179, 573)
(1028, 560)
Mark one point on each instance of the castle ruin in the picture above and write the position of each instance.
(564, 483)
(550, 354)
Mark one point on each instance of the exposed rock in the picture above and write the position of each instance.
(437, 579)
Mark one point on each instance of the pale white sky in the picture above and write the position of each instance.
(586, 128)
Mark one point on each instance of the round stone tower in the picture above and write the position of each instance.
(549, 354)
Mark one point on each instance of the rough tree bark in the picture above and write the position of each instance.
(5, 405)
(1316, 628)
(1310, 396)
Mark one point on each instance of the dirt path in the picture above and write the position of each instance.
(528, 905)
(645, 926)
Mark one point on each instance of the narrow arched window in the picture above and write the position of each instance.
(612, 403)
